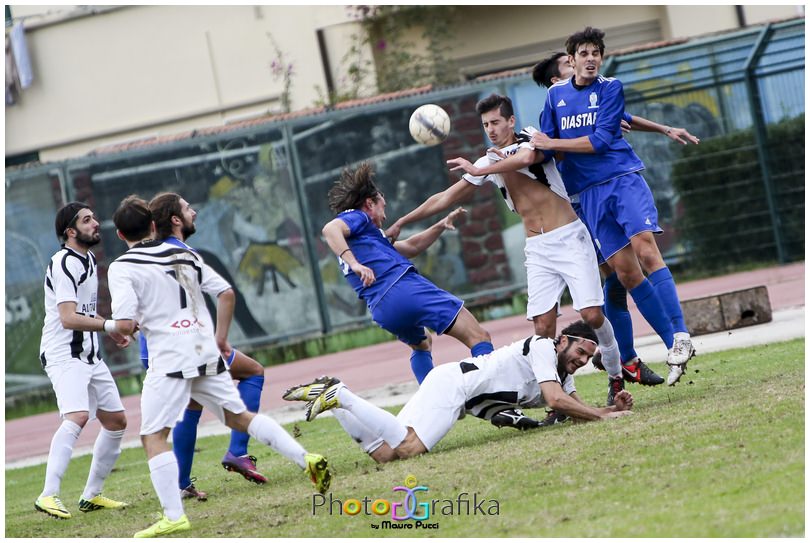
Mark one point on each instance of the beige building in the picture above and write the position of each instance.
(105, 75)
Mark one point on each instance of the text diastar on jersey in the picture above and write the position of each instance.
(414, 505)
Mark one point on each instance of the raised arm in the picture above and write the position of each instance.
(417, 243)
(435, 204)
(523, 158)
(680, 135)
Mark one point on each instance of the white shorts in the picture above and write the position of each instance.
(164, 399)
(83, 387)
(436, 406)
(564, 256)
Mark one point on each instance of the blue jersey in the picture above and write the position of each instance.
(596, 112)
(371, 249)
(142, 339)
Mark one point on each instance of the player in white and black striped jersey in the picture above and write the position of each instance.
(534, 372)
(70, 355)
(157, 287)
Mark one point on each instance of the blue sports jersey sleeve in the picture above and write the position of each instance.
(608, 122)
(355, 220)
(144, 351)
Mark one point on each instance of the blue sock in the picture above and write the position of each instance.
(421, 364)
(184, 437)
(665, 288)
(483, 347)
(619, 316)
(250, 390)
(651, 309)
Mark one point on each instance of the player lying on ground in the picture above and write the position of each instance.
(534, 372)
(401, 300)
(154, 285)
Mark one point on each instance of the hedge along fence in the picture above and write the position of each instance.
(726, 219)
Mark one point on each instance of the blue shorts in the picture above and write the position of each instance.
(617, 210)
(578, 211)
(412, 303)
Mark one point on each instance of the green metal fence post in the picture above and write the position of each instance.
(761, 136)
(303, 207)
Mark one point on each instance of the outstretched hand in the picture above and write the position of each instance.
(682, 136)
(447, 223)
(463, 164)
(393, 231)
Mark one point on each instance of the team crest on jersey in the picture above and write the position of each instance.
(593, 99)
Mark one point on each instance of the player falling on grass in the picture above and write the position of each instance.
(559, 251)
(157, 287)
(581, 118)
(546, 73)
(534, 372)
(401, 300)
(70, 355)
(174, 220)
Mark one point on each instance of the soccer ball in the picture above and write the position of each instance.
(429, 124)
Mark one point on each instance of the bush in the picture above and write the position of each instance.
(725, 218)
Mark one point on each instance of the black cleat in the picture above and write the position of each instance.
(554, 417)
(638, 372)
(615, 385)
(597, 361)
(514, 418)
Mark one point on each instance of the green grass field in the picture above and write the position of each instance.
(720, 455)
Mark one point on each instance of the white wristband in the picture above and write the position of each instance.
(109, 326)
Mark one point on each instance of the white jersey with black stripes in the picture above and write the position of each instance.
(160, 286)
(511, 376)
(70, 277)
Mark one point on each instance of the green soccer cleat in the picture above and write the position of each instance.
(310, 391)
(318, 471)
(99, 502)
(165, 527)
(52, 505)
(326, 401)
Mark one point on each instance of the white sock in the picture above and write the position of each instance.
(380, 422)
(106, 451)
(272, 434)
(59, 456)
(358, 431)
(611, 358)
(682, 335)
(164, 472)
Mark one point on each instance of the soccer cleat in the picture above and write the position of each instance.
(52, 505)
(310, 391)
(318, 471)
(681, 352)
(243, 465)
(596, 360)
(192, 491)
(165, 527)
(638, 372)
(615, 385)
(514, 418)
(554, 417)
(326, 401)
(99, 502)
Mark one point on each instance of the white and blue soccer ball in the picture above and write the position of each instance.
(429, 124)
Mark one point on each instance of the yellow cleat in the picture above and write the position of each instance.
(52, 505)
(318, 471)
(165, 527)
(99, 502)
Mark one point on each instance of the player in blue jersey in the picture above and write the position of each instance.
(174, 219)
(547, 72)
(581, 118)
(401, 300)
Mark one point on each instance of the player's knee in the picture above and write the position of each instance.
(424, 345)
(79, 418)
(238, 422)
(411, 446)
(544, 329)
(593, 316)
(615, 292)
(115, 422)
